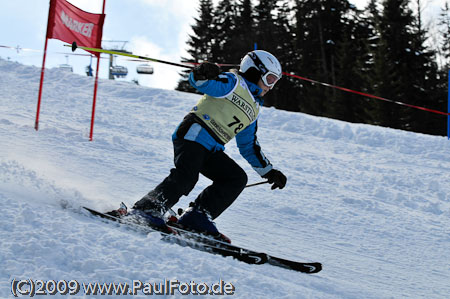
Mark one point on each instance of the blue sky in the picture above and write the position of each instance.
(154, 28)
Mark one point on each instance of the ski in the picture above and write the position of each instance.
(206, 243)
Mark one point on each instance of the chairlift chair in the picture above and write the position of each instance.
(119, 71)
(146, 69)
(66, 67)
(88, 71)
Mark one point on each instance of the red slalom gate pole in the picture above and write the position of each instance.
(94, 101)
(38, 110)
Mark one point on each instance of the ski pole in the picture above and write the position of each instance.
(256, 184)
(74, 46)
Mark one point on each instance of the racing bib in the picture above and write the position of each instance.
(229, 115)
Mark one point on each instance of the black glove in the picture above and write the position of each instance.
(206, 71)
(276, 178)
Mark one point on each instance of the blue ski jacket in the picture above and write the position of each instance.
(246, 140)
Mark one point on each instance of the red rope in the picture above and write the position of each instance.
(366, 94)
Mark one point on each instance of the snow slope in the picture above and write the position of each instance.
(370, 203)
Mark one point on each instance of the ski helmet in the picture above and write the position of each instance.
(266, 64)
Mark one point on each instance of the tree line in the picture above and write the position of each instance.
(384, 49)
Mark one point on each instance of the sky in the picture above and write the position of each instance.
(154, 28)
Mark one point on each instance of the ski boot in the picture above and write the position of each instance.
(120, 212)
(152, 209)
(199, 220)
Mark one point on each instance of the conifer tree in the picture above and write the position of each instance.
(391, 59)
(224, 24)
(371, 19)
(381, 50)
(273, 34)
(200, 43)
(243, 37)
(350, 67)
(307, 60)
(404, 66)
(426, 78)
(285, 95)
(320, 29)
(444, 22)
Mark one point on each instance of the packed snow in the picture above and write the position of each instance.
(370, 203)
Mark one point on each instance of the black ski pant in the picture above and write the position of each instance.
(191, 159)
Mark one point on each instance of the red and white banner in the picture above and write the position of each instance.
(68, 23)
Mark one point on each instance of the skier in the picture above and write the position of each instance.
(228, 109)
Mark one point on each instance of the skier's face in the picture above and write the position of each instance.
(264, 87)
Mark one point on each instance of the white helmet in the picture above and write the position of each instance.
(268, 66)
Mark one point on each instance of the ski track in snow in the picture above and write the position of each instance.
(370, 203)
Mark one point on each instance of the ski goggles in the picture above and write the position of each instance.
(269, 78)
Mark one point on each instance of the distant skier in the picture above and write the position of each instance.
(228, 109)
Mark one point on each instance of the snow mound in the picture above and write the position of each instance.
(370, 203)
